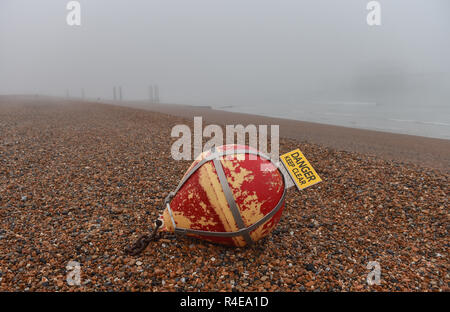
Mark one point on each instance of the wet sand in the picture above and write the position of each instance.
(427, 152)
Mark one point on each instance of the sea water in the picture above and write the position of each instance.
(421, 120)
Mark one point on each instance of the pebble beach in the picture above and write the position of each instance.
(80, 181)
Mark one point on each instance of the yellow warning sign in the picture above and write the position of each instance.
(300, 169)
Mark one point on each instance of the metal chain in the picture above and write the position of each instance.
(141, 244)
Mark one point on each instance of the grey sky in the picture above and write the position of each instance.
(218, 52)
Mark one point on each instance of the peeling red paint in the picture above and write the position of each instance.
(201, 205)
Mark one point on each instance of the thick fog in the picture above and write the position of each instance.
(229, 52)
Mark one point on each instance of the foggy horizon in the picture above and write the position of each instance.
(224, 52)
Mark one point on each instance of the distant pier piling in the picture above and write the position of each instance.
(150, 94)
(156, 97)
